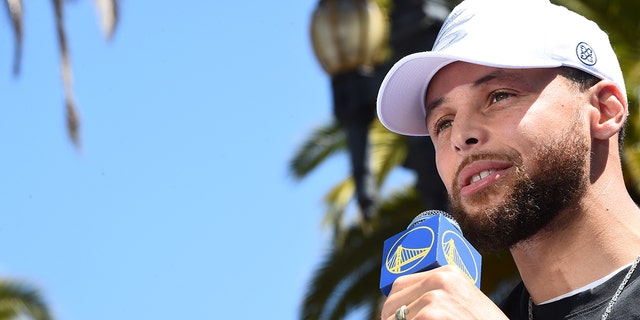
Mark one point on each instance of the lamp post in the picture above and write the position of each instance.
(414, 28)
(347, 37)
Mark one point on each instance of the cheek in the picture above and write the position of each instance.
(551, 113)
(539, 128)
(446, 169)
(533, 127)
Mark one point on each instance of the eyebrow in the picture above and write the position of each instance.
(432, 105)
(487, 78)
(497, 74)
(513, 75)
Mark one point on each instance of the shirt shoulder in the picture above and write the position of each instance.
(514, 305)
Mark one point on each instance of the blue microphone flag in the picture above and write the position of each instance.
(433, 239)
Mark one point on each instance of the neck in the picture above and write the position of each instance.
(580, 246)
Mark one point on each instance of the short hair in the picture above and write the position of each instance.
(585, 81)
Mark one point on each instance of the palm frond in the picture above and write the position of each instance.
(14, 8)
(73, 120)
(336, 201)
(323, 142)
(388, 151)
(349, 275)
(108, 12)
(18, 298)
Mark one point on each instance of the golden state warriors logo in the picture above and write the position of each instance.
(457, 252)
(409, 250)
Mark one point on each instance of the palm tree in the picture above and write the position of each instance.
(18, 299)
(108, 10)
(347, 278)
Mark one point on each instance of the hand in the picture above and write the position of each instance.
(441, 293)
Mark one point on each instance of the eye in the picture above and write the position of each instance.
(441, 125)
(499, 96)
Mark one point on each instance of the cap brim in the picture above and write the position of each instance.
(400, 99)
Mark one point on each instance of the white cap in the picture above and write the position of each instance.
(497, 33)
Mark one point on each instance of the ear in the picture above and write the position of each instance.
(609, 107)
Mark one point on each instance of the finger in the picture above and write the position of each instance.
(400, 313)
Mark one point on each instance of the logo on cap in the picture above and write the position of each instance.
(452, 30)
(586, 54)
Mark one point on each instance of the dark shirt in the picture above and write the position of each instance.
(589, 304)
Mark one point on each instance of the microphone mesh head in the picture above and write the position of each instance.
(430, 213)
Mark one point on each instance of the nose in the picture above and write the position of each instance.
(467, 132)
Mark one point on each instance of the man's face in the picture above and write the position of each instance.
(512, 148)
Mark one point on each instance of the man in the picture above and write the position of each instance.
(525, 104)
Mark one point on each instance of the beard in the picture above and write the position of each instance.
(537, 194)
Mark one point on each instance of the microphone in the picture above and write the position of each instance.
(431, 240)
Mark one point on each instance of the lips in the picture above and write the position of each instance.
(478, 175)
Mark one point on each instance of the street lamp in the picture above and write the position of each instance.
(348, 36)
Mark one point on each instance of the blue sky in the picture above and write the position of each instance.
(179, 205)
